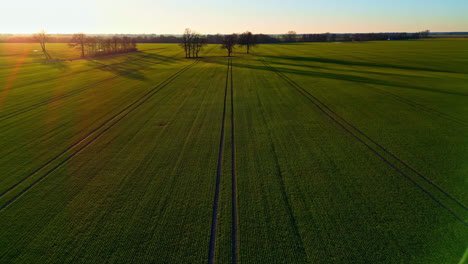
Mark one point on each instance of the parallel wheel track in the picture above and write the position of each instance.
(83, 143)
(234, 215)
(335, 117)
(414, 104)
(219, 170)
(69, 94)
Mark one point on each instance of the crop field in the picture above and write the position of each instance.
(295, 153)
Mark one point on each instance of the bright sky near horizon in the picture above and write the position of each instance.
(216, 16)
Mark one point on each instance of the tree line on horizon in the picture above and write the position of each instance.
(193, 42)
(218, 38)
(101, 46)
(90, 46)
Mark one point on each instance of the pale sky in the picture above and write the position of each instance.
(217, 16)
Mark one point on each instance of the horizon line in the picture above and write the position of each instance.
(297, 33)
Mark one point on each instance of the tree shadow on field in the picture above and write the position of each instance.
(345, 70)
(355, 63)
(343, 77)
(157, 58)
(132, 66)
(55, 64)
(129, 68)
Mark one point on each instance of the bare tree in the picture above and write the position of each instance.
(192, 43)
(100, 46)
(185, 43)
(201, 42)
(91, 46)
(115, 44)
(290, 36)
(229, 42)
(248, 40)
(425, 33)
(41, 37)
(79, 40)
(133, 45)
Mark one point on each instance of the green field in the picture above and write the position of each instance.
(296, 153)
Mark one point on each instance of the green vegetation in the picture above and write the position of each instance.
(338, 153)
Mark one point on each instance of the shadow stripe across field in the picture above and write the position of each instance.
(401, 98)
(46, 102)
(405, 100)
(331, 114)
(83, 71)
(81, 144)
(289, 80)
(414, 104)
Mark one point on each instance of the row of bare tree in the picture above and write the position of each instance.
(246, 40)
(100, 46)
(91, 46)
(42, 38)
(193, 43)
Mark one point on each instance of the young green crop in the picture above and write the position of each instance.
(344, 152)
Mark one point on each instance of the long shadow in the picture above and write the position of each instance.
(345, 77)
(158, 58)
(132, 65)
(345, 70)
(140, 55)
(59, 65)
(355, 63)
(129, 69)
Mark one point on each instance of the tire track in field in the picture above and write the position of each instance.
(102, 66)
(382, 148)
(219, 170)
(83, 143)
(55, 99)
(145, 190)
(76, 192)
(64, 60)
(68, 74)
(335, 118)
(403, 99)
(400, 98)
(414, 104)
(32, 107)
(302, 254)
(52, 100)
(235, 217)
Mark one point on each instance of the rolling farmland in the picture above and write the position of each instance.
(296, 153)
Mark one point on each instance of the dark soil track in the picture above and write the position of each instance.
(234, 215)
(219, 170)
